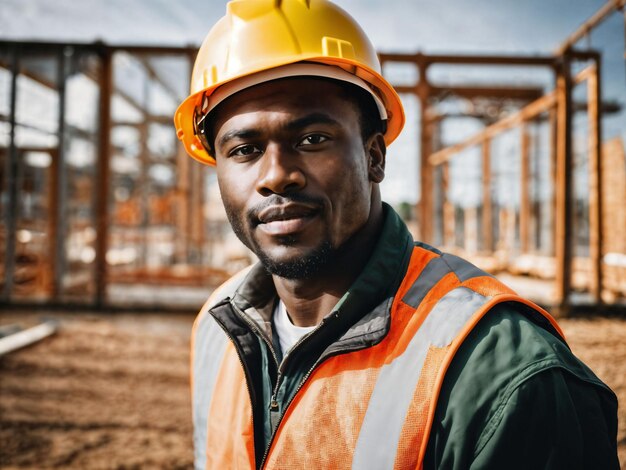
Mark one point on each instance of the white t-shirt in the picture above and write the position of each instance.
(288, 333)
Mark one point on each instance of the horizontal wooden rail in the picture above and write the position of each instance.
(533, 109)
(528, 112)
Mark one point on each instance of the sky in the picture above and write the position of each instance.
(434, 25)
(431, 26)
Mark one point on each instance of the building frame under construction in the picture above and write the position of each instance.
(181, 208)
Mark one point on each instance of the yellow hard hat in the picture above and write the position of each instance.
(258, 40)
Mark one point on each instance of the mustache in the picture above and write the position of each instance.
(278, 200)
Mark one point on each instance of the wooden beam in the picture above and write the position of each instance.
(595, 183)
(101, 47)
(13, 179)
(525, 206)
(598, 17)
(103, 179)
(417, 58)
(470, 230)
(427, 174)
(528, 112)
(487, 218)
(58, 210)
(563, 233)
(553, 120)
(449, 228)
(469, 92)
(489, 91)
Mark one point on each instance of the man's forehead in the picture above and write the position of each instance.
(296, 96)
(301, 89)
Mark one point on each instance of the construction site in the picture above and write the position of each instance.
(112, 238)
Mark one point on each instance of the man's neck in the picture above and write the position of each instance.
(309, 300)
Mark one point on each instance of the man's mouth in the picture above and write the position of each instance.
(286, 219)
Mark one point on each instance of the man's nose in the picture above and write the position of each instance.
(280, 172)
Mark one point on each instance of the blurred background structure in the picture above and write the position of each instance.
(513, 160)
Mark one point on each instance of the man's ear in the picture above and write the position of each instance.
(376, 152)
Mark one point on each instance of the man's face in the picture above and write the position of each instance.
(293, 172)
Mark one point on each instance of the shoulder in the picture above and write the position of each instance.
(227, 289)
(508, 346)
(512, 379)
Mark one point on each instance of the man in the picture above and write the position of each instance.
(350, 345)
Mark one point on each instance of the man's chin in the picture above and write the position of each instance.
(304, 266)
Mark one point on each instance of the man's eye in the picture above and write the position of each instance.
(245, 151)
(313, 139)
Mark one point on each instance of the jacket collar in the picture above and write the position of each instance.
(363, 311)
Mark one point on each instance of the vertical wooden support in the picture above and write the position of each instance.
(59, 209)
(183, 217)
(143, 185)
(426, 176)
(13, 179)
(487, 218)
(53, 222)
(506, 229)
(449, 228)
(470, 230)
(525, 206)
(103, 172)
(563, 234)
(197, 219)
(595, 182)
(182, 205)
(553, 123)
(426, 169)
(537, 206)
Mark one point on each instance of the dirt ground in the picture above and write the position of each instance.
(111, 392)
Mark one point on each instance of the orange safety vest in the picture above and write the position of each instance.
(366, 409)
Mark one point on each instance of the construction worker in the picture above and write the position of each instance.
(349, 345)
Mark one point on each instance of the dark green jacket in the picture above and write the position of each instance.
(514, 396)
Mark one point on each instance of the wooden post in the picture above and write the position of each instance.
(182, 205)
(426, 177)
(426, 169)
(53, 222)
(143, 183)
(563, 216)
(595, 182)
(553, 123)
(470, 230)
(183, 217)
(197, 219)
(449, 228)
(103, 172)
(487, 229)
(13, 180)
(59, 187)
(525, 207)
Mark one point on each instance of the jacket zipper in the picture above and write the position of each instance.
(256, 329)
(274, 402)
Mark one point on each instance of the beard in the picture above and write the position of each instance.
(304, 267)
(301, 267)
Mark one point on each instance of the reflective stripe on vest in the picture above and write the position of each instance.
(209, 344)
(372, 408)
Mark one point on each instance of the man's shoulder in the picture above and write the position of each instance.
(225, 290)
(508, 344)
(508, 368)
